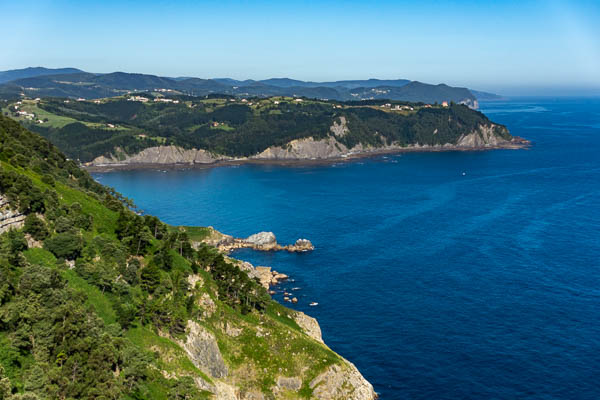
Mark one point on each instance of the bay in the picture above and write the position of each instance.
(440, 275)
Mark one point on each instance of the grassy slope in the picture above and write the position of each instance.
(54, 120)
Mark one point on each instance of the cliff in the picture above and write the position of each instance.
(9, 218)
(484, 137)
(160, 155)
(241, 360)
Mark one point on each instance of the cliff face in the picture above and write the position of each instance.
(304, 149)
(242, 360)
(9, 218)
(485, 137)
(162, 155)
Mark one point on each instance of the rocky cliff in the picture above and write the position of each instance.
(229, 353)
(9, 218)
(488, 136)
(160, 155)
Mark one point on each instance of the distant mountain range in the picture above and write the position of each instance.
(31, 72)
(75, 83)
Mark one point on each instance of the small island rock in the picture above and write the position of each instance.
(264, 239)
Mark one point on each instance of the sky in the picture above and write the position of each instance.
(508, 47)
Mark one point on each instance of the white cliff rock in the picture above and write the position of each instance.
(202, 349)
(304, 149)
(162, 155)
(262, 239)
(9, 218)
(342, 382)
(339, 129)
(483, 137)
(309, 325)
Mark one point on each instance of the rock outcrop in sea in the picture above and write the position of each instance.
(262, 241)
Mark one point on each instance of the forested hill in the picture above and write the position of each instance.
(97, 302)
(232, 127)
(11, 75)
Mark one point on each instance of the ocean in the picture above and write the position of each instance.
(449, 275)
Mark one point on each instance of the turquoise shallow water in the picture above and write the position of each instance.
(437, 285)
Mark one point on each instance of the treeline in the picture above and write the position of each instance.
(83, 143)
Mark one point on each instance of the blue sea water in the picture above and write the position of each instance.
(457, 275)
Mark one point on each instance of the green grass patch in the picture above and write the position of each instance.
(40, 257)
(104, 219)
(195, 233)
(95, 297)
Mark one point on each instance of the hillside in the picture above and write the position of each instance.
(97, 302)
(35, 82)
(183, 129)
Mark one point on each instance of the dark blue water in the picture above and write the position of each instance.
(436, 285)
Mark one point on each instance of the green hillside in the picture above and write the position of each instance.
(97, 302)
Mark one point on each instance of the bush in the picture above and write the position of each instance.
(36, 227)
(48, 180)
(65, 245)
(64, 224)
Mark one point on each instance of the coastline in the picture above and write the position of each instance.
(521, 144)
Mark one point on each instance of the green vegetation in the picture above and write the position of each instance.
(195, 233)
(234, 127)
(98, 306)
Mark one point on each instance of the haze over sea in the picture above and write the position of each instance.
(435, 283)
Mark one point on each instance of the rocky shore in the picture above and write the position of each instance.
(262, 241)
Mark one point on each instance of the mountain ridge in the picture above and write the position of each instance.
(58, 83)
(10, 75)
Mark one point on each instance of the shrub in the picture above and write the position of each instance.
(48, 180)
(36, 227)
(65, 245)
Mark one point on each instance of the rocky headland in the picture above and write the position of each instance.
(262, 241)
(203, 342)
(306, 150)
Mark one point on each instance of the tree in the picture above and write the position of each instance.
(13, 244)
(65, 245)
(48, 180)
(150, 278)
(36, 227)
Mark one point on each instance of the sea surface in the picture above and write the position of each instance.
(456, 275)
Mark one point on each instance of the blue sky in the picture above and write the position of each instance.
(510, 47)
